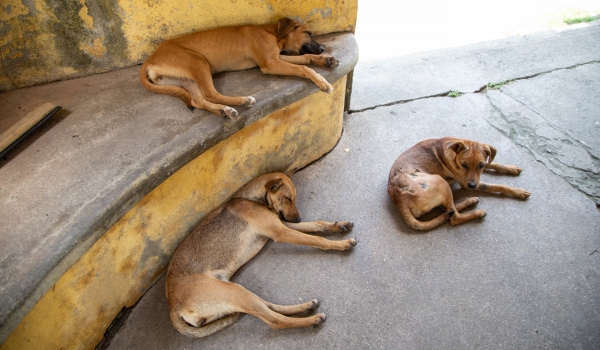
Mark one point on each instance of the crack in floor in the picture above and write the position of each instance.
(528, 136)
(482, 89)
(443, 94)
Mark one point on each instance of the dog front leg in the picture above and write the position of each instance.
(283, 234)
(319, 60)
(279, 67)
(321, 226)
(514, 191)
(504, 169)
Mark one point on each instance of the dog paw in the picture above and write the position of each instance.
(521, 193)
(481, 213)
(513, 169)
(331, 62)
(319, 319)
(315, 304)
(323, 84)
(327, 88)
(467, 203)
(229, 112)
(343, 226)
(350, 243)
(250, 102)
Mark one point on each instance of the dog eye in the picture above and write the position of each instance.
(481, 165)
(464, 165)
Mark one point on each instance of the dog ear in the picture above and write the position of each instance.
(290, 172)
(456, 146)
(490, 152)
(274, 185)
(285, 26)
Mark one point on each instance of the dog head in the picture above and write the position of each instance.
(296, 38)
(281, 197)
(470, 158)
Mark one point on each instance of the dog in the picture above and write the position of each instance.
(201, 298)
(183, 67)
(420, 179)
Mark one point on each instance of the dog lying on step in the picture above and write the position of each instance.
(420, 180)
(183, 67)
(201, 298)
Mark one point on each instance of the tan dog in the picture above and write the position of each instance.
(183, 67)
(201, 298)
(420, 180)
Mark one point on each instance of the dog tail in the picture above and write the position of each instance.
(415, 224)
(176, 91)
(198, 332)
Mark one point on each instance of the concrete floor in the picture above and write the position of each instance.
(524, 277)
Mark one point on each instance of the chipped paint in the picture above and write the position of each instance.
(84, 15)
(97, 48)
(10, 9)
(48, 40)
(130, 256)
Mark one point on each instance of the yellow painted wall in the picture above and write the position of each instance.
(48, 40)
(125, 261)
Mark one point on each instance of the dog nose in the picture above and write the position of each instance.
(321, 49)
(472, 185)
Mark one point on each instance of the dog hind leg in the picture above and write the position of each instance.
(293, 309)
(200, 72)
(459, 218)
(466, 203)
(210, 305)
(417, 194)
(198, 101)
(251, 304)
(412, 222)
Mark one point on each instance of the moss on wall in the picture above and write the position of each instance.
(48, 40)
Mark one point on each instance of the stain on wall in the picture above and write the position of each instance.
(49, 40)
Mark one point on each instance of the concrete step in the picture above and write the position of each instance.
(111, 145)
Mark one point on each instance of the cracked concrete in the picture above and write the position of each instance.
(563, 135)
(527, 276)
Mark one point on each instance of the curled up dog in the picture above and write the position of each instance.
(201, 298)
(420, 179)
(183, 67)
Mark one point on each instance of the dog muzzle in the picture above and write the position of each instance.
(312, 48)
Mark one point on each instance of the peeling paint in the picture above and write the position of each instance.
(11, 9)
(84, 15)
(97, 48)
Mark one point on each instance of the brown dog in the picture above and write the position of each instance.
(420, 180)
(183, 67)
(201, 298)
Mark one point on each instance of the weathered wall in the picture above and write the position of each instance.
(48, 40)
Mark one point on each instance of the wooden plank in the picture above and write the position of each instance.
(28, 123)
